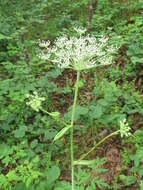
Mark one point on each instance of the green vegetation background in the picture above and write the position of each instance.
(29, 160)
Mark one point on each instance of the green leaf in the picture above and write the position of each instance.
(96, 112)
(137, 158)
(100, 183)
(3, 180)
(19, 133)
(12, 175)
(54, 73)
(5, 150)
(50, 134)
(6, 160)
(34, 143)
(62, 185)
(128, 180)
(79, 111)
(62, 132)
(52, 174)
(3, 37)
(137, 60)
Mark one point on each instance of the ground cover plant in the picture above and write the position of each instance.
(107, 140)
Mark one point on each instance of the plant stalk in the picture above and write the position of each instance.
(71, 130)
(99, 143)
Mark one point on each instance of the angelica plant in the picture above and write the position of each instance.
(78, 53)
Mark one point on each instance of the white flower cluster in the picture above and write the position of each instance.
(124, 128)
(35, 101)
(78, 53)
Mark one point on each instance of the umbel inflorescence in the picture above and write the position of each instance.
(35, 101)
(79, 53)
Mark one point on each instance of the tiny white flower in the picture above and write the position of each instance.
(35, 101)
(124, 128)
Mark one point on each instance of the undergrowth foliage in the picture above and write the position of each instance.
(35, 138)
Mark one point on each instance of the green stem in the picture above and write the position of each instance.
(99, 143)
(71, 131)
